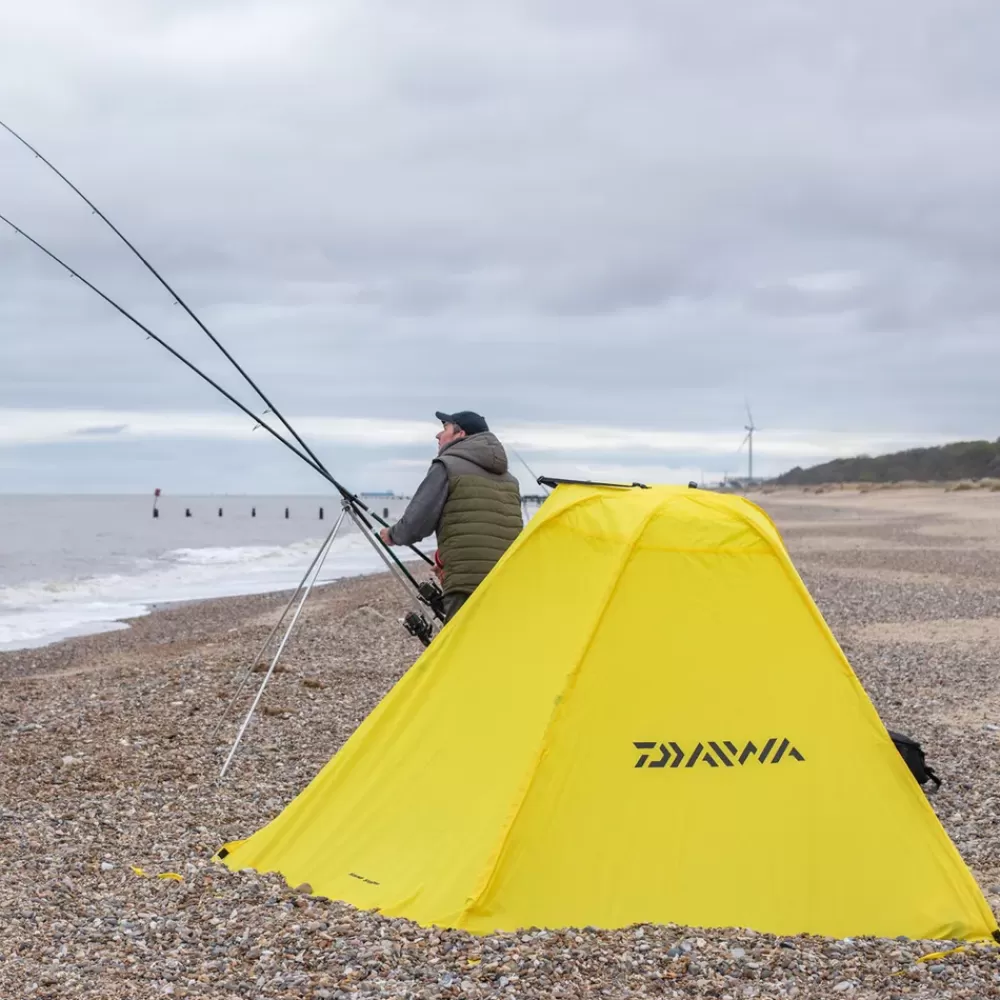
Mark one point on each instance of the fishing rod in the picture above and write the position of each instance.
(149, 333)
(174, 294)
(316, 463)
(530, 471)
(427, 591)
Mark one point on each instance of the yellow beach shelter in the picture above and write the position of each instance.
(640, 716)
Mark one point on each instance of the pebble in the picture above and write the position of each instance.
(79, 923)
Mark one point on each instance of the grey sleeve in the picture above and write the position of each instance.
(423, 512)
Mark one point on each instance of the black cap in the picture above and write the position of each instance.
(471, 423)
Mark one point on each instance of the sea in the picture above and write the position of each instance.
(74, 565)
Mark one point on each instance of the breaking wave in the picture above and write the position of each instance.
(35, 614)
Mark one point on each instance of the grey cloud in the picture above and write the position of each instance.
(102, 431)
(554, 210)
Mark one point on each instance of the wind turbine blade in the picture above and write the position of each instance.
(743, 442)
(749, 414)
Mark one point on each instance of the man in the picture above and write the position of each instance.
(469, 500)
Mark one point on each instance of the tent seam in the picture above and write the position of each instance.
(557, 712)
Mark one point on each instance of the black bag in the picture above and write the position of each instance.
(912, 752)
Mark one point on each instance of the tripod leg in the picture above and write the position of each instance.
(267, 641)
(274, 662)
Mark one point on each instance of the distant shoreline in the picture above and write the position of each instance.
(939, 485)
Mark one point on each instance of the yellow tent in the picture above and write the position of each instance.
(640, 716)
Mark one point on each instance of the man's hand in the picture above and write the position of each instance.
(386, 537)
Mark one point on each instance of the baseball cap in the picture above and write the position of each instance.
(471, 423)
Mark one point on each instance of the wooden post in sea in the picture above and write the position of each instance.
(156, 499)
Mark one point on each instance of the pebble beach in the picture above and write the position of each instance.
(110, 808)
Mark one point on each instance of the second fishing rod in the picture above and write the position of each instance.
(312, 459)
(427, 592)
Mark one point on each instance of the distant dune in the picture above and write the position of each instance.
(968, 462)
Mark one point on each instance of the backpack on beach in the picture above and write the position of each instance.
(912, 752)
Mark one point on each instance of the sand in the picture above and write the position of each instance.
(107, 765)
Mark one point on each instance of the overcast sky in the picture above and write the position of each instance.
(603, 225)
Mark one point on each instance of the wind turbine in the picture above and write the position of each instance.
(748, 440)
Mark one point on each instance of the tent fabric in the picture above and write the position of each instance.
(639, 717)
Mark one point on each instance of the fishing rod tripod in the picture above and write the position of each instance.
(361, 511)
(415, 621)
(425, 596)
(317, 562)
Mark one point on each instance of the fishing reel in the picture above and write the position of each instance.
(417, 625)
(432, 595)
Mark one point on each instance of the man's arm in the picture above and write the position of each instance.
(423, 512)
